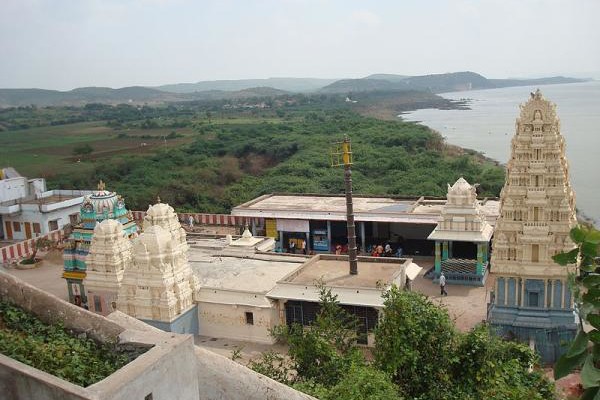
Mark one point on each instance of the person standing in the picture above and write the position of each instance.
(388, 250)
(443, 285)
(303, 246)
(292, 246)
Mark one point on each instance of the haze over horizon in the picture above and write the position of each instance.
(67, 44)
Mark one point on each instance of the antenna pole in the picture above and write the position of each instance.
(352, 252)
(352, 256)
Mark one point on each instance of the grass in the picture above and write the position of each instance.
(32, 151)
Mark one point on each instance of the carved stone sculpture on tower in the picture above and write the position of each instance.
(537, 212)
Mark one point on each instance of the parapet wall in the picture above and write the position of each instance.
(172, 369)
(51, 309)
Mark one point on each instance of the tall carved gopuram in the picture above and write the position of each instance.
(532, 301)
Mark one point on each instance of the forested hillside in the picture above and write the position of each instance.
(233, 157)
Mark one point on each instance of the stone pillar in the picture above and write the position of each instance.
(496, 291)
(282, 320)
(485, 248)
(329, 236)
(552, 283)
(281, 240)
(450, 254)
(253, 227)
(563, 293)
(363, 245)
(506, 279)
(523, 292)
(444, 250)
(307, 242)
(546, 293)
(375, 229)
(438, 260)
(479, 259)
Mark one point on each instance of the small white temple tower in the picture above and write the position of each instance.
(110, 254)
(159, 287)
(462, 237)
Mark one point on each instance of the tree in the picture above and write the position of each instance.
(414, 343)
(363, 382)
(41, 243)
(586, 290)
(417, 344)
(82, 150)
(324, 351)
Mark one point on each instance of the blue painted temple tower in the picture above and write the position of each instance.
(531, 299)
(96, 207)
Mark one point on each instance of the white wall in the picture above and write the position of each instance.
(30, 213)
(229, 321)
(14, 188)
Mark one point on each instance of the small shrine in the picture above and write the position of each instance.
(97, 207)
(158, 286)
(110, 254)
(462, 237)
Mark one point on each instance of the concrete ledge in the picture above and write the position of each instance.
(21, 381)
(222, 378)
(51, 309)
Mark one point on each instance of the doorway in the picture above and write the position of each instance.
(27, 230)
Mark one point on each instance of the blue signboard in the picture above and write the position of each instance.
(320, 240)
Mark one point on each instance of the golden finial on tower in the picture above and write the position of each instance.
(101, 185)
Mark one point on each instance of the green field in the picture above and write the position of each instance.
(47, 151)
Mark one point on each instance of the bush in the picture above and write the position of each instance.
(52, 349)
(414, 343)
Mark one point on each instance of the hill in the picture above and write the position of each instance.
(82, 96)
(271, 87)
(286, 84)
(387, 77)
(435, 83)
(131, 95)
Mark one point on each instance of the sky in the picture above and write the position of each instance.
(64, 44)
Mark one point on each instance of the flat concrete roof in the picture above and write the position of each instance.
(49, 199)
(366, 208)
(335, 271)
(249, 274)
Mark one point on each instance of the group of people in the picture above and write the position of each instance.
(387, 251)
(301, 246)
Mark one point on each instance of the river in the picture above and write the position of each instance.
(490, 124)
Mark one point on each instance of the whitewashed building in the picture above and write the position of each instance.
(28, 209)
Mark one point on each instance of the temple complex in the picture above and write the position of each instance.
(532, 300)
(159, 286)
(462, 237)
(97, 207)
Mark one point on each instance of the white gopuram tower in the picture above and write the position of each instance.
(531, 299)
